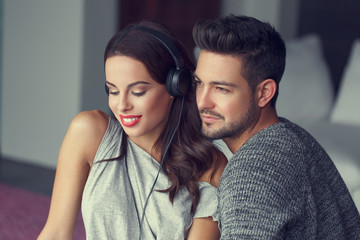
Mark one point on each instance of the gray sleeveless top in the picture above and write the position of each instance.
(116, 191)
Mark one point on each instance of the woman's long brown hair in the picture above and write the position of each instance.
(190, 155)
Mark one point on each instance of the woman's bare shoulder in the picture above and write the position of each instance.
(85, 133)
(90, 122)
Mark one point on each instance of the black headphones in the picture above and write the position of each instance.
(179, 79)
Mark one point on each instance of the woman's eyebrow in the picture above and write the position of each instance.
(109, 83)
(136, 83)
(130, 85)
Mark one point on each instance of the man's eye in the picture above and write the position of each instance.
(223, 90)
(197, 83)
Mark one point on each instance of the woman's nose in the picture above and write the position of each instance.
(124, 103)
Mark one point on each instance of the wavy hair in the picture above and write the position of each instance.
(189, 155)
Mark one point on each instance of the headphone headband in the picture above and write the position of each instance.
(172, 49)
(178, 81)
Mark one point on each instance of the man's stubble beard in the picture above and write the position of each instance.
(232, 129)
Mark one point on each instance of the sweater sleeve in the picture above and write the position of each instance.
(260, 191)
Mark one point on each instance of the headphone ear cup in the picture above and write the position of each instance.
(178, 82)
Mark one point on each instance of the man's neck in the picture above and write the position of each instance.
(267, 118)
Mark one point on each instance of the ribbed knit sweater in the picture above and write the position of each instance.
(281, 184)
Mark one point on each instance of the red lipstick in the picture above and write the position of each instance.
(130, 120)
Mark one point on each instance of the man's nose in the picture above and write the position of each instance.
(204, 99)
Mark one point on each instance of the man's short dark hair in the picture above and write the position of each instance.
(258, 45)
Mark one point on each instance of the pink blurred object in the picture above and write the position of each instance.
(23, 214)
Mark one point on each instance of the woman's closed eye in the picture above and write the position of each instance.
(138, 93)
(135, 93)
(113, 92)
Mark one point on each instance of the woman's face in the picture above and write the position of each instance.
(140, 104)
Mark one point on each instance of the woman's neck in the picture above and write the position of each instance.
(148, 145)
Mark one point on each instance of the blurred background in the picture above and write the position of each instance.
(51, 61)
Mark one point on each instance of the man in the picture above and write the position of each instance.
(280, 183)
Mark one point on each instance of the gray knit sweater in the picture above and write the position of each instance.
(281, 184)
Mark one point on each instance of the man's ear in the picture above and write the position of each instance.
(265, 91)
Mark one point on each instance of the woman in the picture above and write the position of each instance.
(145, 173)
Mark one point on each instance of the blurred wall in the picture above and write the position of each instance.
(51, 57)
(282, 14)
(101, 23)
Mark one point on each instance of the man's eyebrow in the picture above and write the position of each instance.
(195, 76)
(222, 83)
(130, 85)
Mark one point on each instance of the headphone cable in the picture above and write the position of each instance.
(161, 163)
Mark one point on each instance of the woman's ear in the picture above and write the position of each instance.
(265, 92)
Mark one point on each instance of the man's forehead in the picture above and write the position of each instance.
(218, 69)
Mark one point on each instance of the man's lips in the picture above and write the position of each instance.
(209, 118)
(130, 120)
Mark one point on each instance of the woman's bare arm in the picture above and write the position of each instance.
(75, 159)
(204, 229)
(207, 228)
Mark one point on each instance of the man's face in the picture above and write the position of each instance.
(225, 101)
